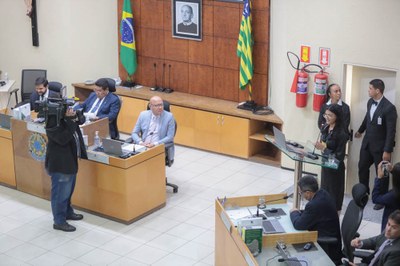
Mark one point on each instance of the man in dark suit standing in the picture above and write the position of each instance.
(379, 125)
(42, 91)
(102, 103)
(386, 245)
(319, 215)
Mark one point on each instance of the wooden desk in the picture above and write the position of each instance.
(231, 250)
(7, 172)
(203, 122)
(121, 189)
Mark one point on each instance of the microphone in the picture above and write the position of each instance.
(162, 79)
(155, 76)
(292, 259)
(323, 127)
(9, 98)
(169, 90)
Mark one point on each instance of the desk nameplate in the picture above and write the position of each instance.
(98, 157)
(34, 127)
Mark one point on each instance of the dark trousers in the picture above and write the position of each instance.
(367, 158)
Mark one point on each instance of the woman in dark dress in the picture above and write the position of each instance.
(390, 199)
(333, 142)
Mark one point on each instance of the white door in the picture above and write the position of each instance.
(356, 86)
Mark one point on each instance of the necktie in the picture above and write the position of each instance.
(381, 248)
(41, 98)
(94, 109)
(152, 129)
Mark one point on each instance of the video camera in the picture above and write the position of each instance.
(55, 107)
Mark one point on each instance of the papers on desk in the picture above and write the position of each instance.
(133, 147)
(237, 214)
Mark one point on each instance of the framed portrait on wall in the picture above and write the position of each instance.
(186, 19)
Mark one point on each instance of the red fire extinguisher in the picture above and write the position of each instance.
(321, 83)
(301, 92)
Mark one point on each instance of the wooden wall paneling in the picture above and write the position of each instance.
(175, 48)
(260, 89)
(202, 52)
(260, 5)
(179, 76)
(226, 84)
(150, 75)
(152, 14)
(225, 53)
(208, 20)
(226, 22)
(260, 26)
(260, 58)
(201, 80)
(167, 15)
(227, 4)
(136, 11)
(152, 43)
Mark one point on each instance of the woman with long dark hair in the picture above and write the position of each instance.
(333, 143)
(390, 199)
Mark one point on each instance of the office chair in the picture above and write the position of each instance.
(29, 77)
(168, 149)
(112, 89)
(351, 221)
(57, 87)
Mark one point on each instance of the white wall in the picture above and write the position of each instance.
(360, 32)
(78, 40)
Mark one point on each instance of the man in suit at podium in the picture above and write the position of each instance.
(155, 126)
(379, 125)
(102, 103)
(41, 92)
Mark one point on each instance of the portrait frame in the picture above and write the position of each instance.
(184, 24)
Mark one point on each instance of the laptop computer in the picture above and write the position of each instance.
(280, 140)
(5, 121)
(272, 227)
(115, 147)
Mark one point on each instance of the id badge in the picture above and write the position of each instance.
(379, 120)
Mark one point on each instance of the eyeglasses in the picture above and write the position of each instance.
(302, 192)
(157, 105)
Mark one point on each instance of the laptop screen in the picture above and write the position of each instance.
(280, 139)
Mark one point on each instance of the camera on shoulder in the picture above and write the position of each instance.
(55, 107)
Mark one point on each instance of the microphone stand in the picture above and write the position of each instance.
(155, 76)
(9, 98)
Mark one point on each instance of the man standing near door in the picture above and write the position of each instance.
(379, 125)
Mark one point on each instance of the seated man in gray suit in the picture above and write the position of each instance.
(155, 126)
(386, 245)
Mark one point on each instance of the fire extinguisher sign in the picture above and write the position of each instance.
(305, 54)
(324, 56)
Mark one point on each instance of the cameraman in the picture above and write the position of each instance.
(390, 199)
(65, 144)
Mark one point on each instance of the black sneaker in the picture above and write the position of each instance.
(64, 227)
(75, 217)
(378, 207)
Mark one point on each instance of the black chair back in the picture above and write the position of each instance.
(353, 217)
(56, 87)
(29, 77)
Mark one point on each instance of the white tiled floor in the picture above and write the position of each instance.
(182, 233)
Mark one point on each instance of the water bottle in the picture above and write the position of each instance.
(97, 142)
(6, 77)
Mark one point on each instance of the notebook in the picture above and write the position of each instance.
(114, 147)
(272, 226)
(280, 140)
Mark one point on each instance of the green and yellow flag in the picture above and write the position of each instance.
(128, 47)
(245, 48)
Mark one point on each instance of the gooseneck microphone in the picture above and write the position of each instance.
(155, 75)
(294, 260)
(162, 78)
(9, 98)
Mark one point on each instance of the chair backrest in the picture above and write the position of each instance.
(29, 77)
(57, 87)
(111, 85)
(353, 217)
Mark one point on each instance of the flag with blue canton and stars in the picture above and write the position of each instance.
(245, 48)
(128, 47)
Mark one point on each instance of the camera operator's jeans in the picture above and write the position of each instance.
(62, 187)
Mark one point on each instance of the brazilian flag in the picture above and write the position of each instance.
(128, 47)
(245, 48)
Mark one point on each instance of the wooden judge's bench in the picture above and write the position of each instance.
(120, 189)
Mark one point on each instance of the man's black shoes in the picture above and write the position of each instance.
(64, 227)
(377, 207)
(75, 217)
